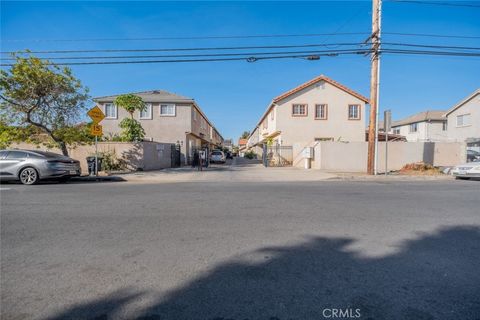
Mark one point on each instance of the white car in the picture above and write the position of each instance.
(217, 156)
(467, 170)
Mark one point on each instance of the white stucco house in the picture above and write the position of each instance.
(425, 126)
(318, 110)
(464, 120)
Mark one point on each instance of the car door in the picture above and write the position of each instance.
(11, 162)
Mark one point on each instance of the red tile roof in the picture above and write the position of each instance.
(318, 79)
(242, 142)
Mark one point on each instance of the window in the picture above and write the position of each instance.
(265, 124)
(167, 110)
(413, 127)
(463, 120)
(194, 115)
(147, 112)
(353, 112)
(396, 131)
(110, 111)
(272, 115)
(321, 111)
(299, 110)
(16, 155)
(444, 125)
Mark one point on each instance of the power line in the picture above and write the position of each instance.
(189, 55)
(315, 56)
(191, 37)
(187, 49)
(439, 53)
(240, 37)
(436, 3)
(243, 53)
(432, 35)
(245, 58)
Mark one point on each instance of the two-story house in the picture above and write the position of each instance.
(168, 117)
(464, 121)
(318, 110)
(426, 126)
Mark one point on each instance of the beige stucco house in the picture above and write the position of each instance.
(426, 126)
(168, 118)
(318, 110)
(464, 120)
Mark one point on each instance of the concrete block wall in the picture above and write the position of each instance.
(142, 155)
(352, 156)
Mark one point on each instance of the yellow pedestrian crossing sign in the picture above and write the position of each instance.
(96, 114)
(96, 130)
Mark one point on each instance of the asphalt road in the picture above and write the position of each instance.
(241, 250)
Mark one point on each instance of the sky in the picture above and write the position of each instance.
(234, 94)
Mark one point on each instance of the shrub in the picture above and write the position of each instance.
(250, 155)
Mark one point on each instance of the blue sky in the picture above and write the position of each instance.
(235, 94)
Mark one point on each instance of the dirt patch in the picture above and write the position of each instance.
(420, 169)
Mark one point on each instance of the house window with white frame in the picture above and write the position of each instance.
(396, 130)
(444, 126)
(167, 110)
(146, 113)
(272, 115)
(463, 120)
(353, 112)
(110, 111)
(413, 127)
(299, 110)
(321, 111)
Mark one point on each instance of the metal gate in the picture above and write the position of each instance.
(277, 156)
(175, 155)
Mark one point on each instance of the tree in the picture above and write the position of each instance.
(131, 129)
(38, 93)
(245, 135)
(72, 136)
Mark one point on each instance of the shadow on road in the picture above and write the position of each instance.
(433, 277)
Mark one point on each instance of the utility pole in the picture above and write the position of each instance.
(374, 86)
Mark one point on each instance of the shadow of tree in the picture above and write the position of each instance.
(99, 309)
(434, 277)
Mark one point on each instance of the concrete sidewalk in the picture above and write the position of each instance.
(239, 169)
(245, 170)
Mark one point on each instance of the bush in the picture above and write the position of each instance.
(250, 155)
(132, 130)
(111, 162)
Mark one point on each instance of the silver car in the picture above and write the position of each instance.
(30, 166)
(217, 156)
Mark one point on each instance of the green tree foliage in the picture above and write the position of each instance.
(131, 129)
(38, 93)
(245, 135)
(72, 136)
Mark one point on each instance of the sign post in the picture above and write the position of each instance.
(96, 115)
(387, 125)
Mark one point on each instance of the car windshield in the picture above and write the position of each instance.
(216, 153)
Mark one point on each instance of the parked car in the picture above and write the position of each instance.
(217, 156)
(30, 166)
(473, 155)
(467, 170)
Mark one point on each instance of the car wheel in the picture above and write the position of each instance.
(29, 176)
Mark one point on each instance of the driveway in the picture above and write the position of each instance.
(238, 169)
(241, 250)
